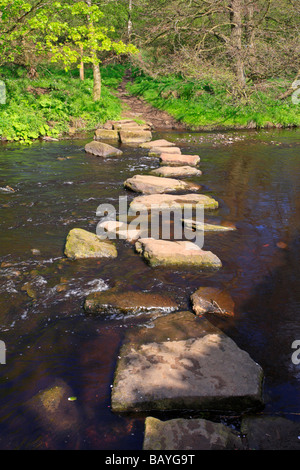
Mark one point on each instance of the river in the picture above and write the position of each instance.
(255, 176)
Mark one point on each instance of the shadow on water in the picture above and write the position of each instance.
(255, 178)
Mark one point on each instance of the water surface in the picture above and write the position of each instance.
(255, 176)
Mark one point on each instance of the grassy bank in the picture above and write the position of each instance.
(216, 104)
(55, 101)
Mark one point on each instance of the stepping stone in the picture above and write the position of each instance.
(175, 253)
(178, 160)
(157, 151)
(108, 134)
(189, 434)
(134, 136)
(184, 363)
(212, 300)
(111, 302)
(131, 125)
(176, 171)
(193, 224)
(157, 143)
(156, 201)
(100, 149)
(155, 185)
(83, 244)
(121, 230)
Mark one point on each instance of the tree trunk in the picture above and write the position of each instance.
(95, 61)
(129, 24)
(97, 82)
(236, 40)
(81, 68)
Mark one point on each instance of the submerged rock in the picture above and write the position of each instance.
(172, 253)
(134, 136)
(189, 434)
(184, 362)
(155, 185)
(271, 433)
(176, 171)
(212, 300)
(100, 149)
(157, 143)
(109, 302)
(178, 160)
(156, 201)
(83, 244)
(53, 410)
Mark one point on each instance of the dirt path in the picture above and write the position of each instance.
(135, 107)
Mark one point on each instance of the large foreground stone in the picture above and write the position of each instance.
(157, 151)
(189, 434)
(212, 300)
(83, 244)
(111, 302)
(175, 253)
(176, 171)
(100, 149)
(184, 363)
(178, 160)
(134, 136)
(155, 185)
(157, 143)
(156, 201)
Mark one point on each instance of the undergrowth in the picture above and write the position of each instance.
(217, 103)
(54, 101)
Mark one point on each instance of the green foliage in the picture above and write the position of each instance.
(216, 103)
(48, 105)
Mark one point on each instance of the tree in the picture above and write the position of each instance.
(71, 33)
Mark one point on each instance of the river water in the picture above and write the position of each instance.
(255, 176)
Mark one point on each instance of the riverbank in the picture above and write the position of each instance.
(216, 104)
(57, 103)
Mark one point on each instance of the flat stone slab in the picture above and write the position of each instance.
(212, 300)
(100, 149)
(175, 253)
(189, 434)
(184, 362)
(83, 244)
(148, 184)
(156, 201)
(176, 171)
(111, 302)
(106, 134)
(134, 136)
(196, 225)
(178, 160)
(157, 151)
(121, 230)
(157, 143)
